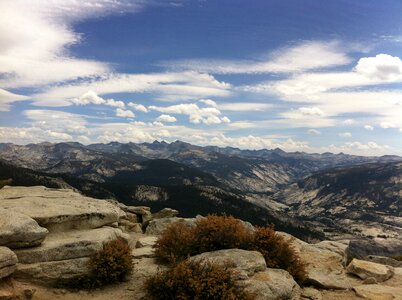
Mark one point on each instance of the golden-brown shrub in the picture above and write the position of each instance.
(176, 243)
(112, 264)
(278, 252)
(198, 281)
(221, 232)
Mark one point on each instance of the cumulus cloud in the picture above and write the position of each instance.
(124, 113)
(138, 107)
(311, 111)
(209, 102)
(358, 148)
(245, 106)
(369, 127)
(196, 114)
(90, 97)
(166, 118)
(381, 67)
(349, 122)
(307, 55)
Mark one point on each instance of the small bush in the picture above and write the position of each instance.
(278, 252)
(180, 241)
(112, 264)
(176, 243)
(109, 265)
(221, 232)
(198, 281)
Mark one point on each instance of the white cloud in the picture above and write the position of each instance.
(387, 125)
(90, 97)
(166, 118)
(244, 106)
(314, 132)
(166, 86)
(369, 127)
(138, 107)
(381, 67)
(346, 135)
(197, 115)
(124, 113)
(6, 98)
(358, 148)
(311, 111)
(209, 102)
(307, 55)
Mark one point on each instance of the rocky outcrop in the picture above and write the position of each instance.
(384, 261)
(19, 230)
(157, 226)
(8, 262)
(69, 245)
(59, 209)
(380, 247)
(273, 284)
(366, 269)
(253, 274)
(378, 292)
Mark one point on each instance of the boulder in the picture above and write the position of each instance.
(128, 226)
(8, 261)
(146, 241)
(69, 245)
(157, 226)
(165, 213)
(339, 247)
(60, 209)
(366, 269)
(379, 247)
(384, 261)
(311, 293)
(324, 267)
(378, 292)
(18, 230)
(273, 284)
(246, 263)
(51, 273)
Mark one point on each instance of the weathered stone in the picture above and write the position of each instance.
(8, 261)
(384, 261)
(311, 293)
(157, 226)
(339, 247)
(366, 269)
(19, 230)
(148, 252)
(29, 292)
(59, 209)
(133, 218)
(273, 284)
(379, 247)
(69, 245)
(246, 263)
(146, 241)
(52, 272)
(378, 292)
(138, 210)
(370, 280)
(130, 226)
(165, 213)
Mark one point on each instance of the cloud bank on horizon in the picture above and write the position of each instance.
(302, 77)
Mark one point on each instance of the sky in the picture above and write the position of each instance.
(311, 75)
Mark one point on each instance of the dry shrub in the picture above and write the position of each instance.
(180, 241)
(278, 252)
(221, 232)
(198, 281)
(176, 243)
(111, 264)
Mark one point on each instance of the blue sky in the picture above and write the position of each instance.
(308, 75)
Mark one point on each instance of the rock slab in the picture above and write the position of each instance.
(8, 261)
(366, 269)
(18, 230)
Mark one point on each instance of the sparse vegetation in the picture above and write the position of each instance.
(111, 264)
(198, 281)
(222, 232)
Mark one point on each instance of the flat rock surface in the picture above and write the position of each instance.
(245, 262)
(378, 292)
(148, 252)
(59, 209)
(18, 230)
(365, 269)
(273, 284)
(69, 245)
(8, 261)
(157, 226)
(146, 241)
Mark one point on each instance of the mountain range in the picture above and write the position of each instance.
(309, 195)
